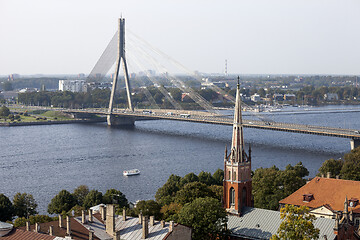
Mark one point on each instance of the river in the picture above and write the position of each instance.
(42, 160)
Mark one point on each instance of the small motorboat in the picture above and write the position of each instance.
(131, 172)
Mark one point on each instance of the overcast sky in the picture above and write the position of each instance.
(255, 36)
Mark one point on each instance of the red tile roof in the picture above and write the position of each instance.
(326, 191)
(19, 234)
(78, 231)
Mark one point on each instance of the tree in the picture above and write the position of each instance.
(188, 178)
(351, 167)
(206, 217)
(7, 86)
(114, 196)
(6, 208)
(332, 166)
(4, 111)
(218, 177)
(80, 193)
(93, 198)
(21, 221)
(191, 191)
(24, 205)
(206, 177)
(166, 193)
(169, 211)
(217, 192)
(148, 208)
(270, 185)
(62, 202)
(297, 224)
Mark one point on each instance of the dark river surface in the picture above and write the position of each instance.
(42, 160)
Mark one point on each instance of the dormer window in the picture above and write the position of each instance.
(308, 197)
(353, 202)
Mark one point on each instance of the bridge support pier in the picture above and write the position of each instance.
(354, 143)
(113, 120)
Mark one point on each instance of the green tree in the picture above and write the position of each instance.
(21, 221)
(191, 191)
(114, 196)
(218, 177)
(24, 205)
(166, 193)
(207, 178)
(62, 202)
(206, 217)
(217, 192)
(148, 208)
(7, 86)
(297, 224)
(332, 166)
(351, 168)
(93, 198)
(188, 178)
(80, 193)
(6, 208)
(169, 211)
(4, 111)
(270, 185)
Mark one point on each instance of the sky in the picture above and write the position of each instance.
(255, 36)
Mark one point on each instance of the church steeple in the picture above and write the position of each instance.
(237, 166)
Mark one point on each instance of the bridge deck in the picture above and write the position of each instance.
(276, 126)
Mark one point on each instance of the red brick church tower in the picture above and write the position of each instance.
(237, 167)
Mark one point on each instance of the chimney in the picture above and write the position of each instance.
(322, 175)
(152, 221)
(116, 236)
(37, 227)
(110, 219)
(171, 226)
(60, 221)
(27, 226)
(337, 177)
(124, 214)
(351, 216)
(91, 235)
(140, 218)
(103, 212)
(145, 227)
(328, 175)
(162, 223)
(83, 216)
(51, 230)
(68, 229)
(90, 215)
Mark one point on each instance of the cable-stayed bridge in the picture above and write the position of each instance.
(115, 54)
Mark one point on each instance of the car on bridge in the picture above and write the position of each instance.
(185, 115)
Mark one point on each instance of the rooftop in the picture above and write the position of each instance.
(256, 223)
(322, 191)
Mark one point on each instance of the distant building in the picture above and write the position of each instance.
(71, 85)
(255, 98)
(289, 97)
(331, 96)
(278, 97)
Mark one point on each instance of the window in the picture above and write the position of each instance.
(232, 197)
(229, 177)
(307, 197)
(234, 179)
(244, 197)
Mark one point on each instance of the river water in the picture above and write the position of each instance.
(42, 160)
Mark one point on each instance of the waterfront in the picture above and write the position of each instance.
(42, 160)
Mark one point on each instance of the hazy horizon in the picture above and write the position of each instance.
(258, 37)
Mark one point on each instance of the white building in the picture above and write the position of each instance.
(71, 85)
(331, 96)
(255, 98)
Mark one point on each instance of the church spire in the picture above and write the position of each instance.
(237, 146)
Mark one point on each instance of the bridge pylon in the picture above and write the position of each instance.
(120, 56)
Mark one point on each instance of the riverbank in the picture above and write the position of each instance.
(13, 124)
